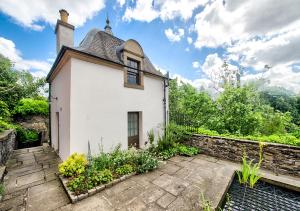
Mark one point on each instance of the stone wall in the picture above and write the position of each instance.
(279, 158)
(7, 145)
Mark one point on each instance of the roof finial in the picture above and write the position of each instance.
(107, 27)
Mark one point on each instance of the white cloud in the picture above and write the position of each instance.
(253, 34)
(143, 11)
(148, 10)
(196, 64)
(174, 36)
(189, 40)
(223, 25)
(31, 13)
(9, 50)
(187, 49)
(121, 2)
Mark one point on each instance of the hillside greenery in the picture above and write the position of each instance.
(21, 95)
(237, 112)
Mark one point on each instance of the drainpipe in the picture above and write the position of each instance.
(166, 84)
(49, 114)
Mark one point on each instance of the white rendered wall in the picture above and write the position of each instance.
(60, 89)
(100, 103)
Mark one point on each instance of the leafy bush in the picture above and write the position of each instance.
(27, 107)
(5, 125)
(73, 166)
(125, 169)
(167, 153)
(26, 135)
(4, 111)
(146, 162)
(99, 177)
(187, 150)
(102, 161)
(121, 157)
(78, 184)
(290, 139)
(207, 132)
(296, 133)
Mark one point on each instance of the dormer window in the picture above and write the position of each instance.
(133, 57)
(133, 71)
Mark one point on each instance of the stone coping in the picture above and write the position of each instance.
(75, 198)
(249, 141)
(280, 181)
(5, 134)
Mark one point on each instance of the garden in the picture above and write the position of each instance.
(252, 112)
(21, 96)
(84, 175)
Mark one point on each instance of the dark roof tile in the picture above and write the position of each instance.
(101, 44)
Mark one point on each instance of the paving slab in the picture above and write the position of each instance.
(30, 178)
(176, 185)
(166, 200)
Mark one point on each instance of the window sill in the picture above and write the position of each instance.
(133, 86)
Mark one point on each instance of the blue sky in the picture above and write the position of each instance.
(189, 38)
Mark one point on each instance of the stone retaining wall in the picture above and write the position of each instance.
(279, 158)
(7, 145)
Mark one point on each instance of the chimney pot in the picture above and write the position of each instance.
(64, 31)
(64, 15)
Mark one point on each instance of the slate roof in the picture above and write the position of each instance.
(103, 45)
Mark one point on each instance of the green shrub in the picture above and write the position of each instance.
(73, 166)
(168, 153)
(204, 131)
(5, 125)
(27, 107)
(297, 133)
(187, 150)
(105, 176)
(4, 111)
(146, 162)
(290, 139)
(26, 135)
(125, 169)
(102, 161)
(121, 157)
(99, 177)
(78, 184)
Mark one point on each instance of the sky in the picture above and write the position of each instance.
(188, 38)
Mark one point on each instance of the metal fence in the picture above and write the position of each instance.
(185, 121)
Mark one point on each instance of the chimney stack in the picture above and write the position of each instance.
(64, 31)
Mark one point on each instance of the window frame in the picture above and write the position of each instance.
(133, 71)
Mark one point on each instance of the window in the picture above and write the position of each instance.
(132, 71)
(133, 124)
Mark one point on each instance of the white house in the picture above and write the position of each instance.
(105, 91)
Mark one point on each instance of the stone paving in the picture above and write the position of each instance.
(176, 185)
(31, 182)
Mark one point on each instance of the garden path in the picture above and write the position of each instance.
(31, 184)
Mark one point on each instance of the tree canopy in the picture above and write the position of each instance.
(15, 85)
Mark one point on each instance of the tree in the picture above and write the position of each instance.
(15, 85)
(237, 110)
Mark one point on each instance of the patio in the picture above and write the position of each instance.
(31, 184)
